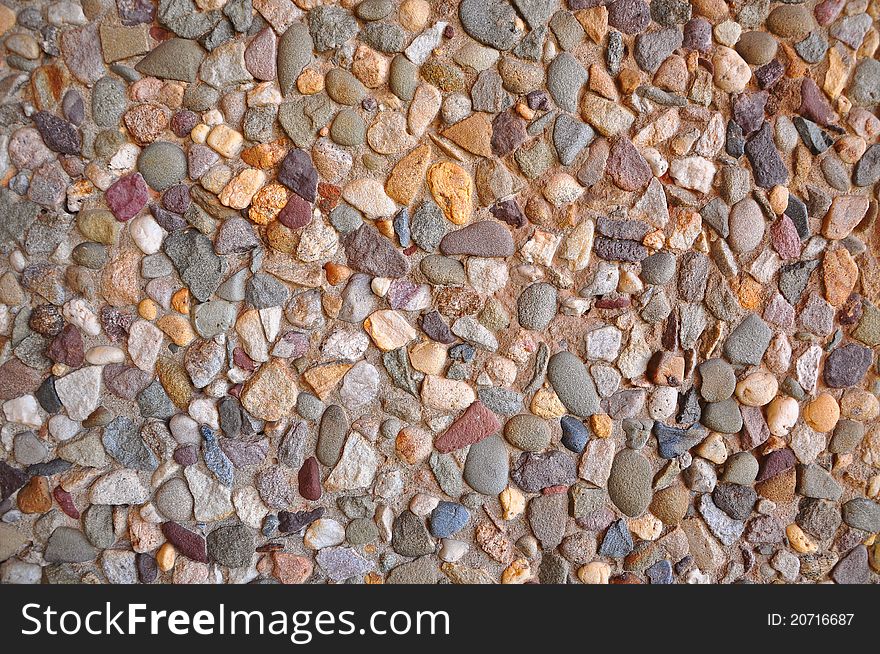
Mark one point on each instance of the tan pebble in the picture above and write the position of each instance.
(757, 388)
(513, 502)
(428, 357)
(713, 448)
(646, 527)
(596, 572)
(336, 273)
(779, 199)
(177, 328)
(799, 541)
(414, 15)
(839, 274)
(545, 404)
(822, 413)
(240, 190)
(413, 445)
(782, 414)
(517, 572)
(385, 227)
(850, 148)
(180, 301)
(601, 424)
(225, 141)
(147, 309)
(602, 83)
(859, 404)
(331, 304)
(166, 556)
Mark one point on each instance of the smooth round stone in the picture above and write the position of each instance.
(487, 466)
(629, 485)
(537, 306)
(174, 500)
(757, 48)
(671, 504)
(361, 531)
(573, 384)
(162, 165)
(790, 21)
(741, 468)
(746, 226)
(348, 128)
(659, 268)
(528, 432)
(718, 380)
(443, 271)
(344, 88)
(723, 416)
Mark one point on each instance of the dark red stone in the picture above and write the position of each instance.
(626, 166)
(299, 175)
(127, 197)
(65, 501)
(554, 490)
(476, 423)
(826, 12)
(508, 133)
(146, 567)
(814, 106)
(309, 478)
(186, 455)
(776, 462)
(188, 543)
(67, 347)
(242, 360)
(296, 213)
(508, 211)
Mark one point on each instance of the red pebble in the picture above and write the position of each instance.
(554, 490)
(309, 478)
(65, 501)
(472, 426)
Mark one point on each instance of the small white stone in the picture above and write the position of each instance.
(63, 428)
(694, 173)
(80, 391)
(119, 487)
(420, 49)
(147, 234)
(357, 466)
(79, 313)
(204, 412)
(23, 410)
(662, 402)
(101, 355)
(452, 550)
(324, 532)
(184, 429)
(144, 343)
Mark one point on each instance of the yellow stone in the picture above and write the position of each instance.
(147, 309)
(225, 141)
(166, 556)
(268, 202)
(518, 572)
(177, 328)
(270, 394)
(323, 379)
(180, 301)
(408, 174)
(513, 502)
(310, 82)
(840, 274)
(837, 74)
(474, 134)
(452, 190)
(389, 329)
(240, 190)
(601, 424)
(545, 404)
(799, 541)
(265, 155)
(822, 413)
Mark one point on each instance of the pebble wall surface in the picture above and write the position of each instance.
(399, 291)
